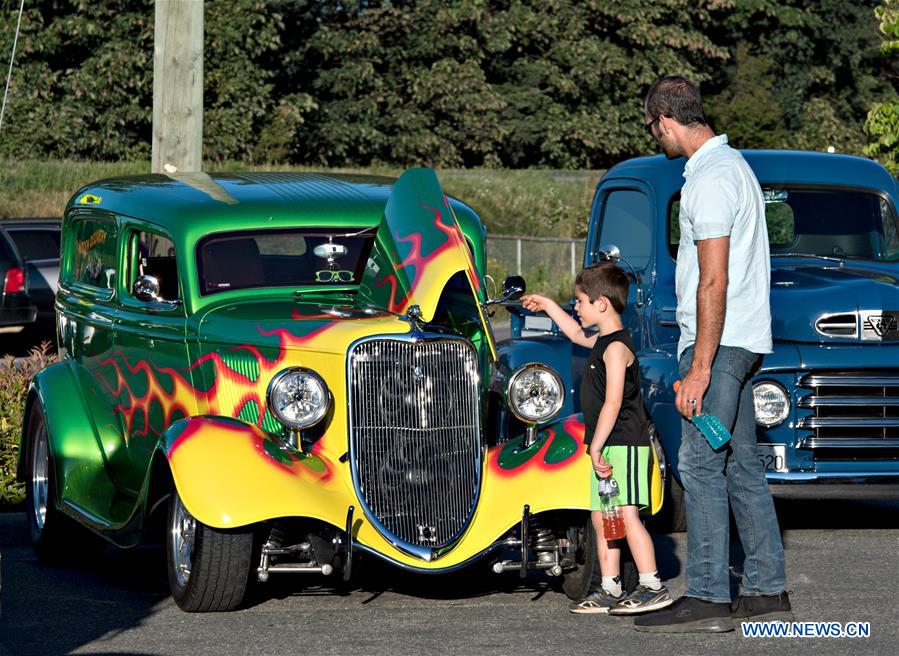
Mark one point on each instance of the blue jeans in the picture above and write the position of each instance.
(733, 472)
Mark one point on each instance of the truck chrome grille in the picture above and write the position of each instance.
(851, 410)
(415, 435)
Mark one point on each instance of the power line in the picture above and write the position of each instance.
(11, 57)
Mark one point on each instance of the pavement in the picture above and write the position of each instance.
(13, 529)
(841, 565)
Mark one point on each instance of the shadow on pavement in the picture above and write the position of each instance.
(796, 514)
(55, 610)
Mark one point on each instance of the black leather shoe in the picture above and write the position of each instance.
(688, 615)
(762, 608)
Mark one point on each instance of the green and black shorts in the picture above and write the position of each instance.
(632, 470)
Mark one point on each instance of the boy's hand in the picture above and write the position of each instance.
(600, 466)
(535, 302)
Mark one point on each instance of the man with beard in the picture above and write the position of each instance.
(723, 311)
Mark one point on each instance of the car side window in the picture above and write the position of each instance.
(674, 225)
(627, 223)
(890, 231)
(94, 253)
(152, 254)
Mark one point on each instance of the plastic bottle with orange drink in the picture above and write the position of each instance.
(612, 518)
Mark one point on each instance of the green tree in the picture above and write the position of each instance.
(246, 116)
(399, 82)
(813, 62)
(514, 82)
(882, 124)
(573, 75)
(83, 77)
(81, 84)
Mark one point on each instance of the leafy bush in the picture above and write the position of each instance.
(14, 379)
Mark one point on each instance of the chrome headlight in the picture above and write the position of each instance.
(298, 397)
(772, 404)
(535, 393)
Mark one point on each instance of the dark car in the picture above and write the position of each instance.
(16, 309)
(37, 240)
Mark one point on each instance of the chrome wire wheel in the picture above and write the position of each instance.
(40, 477)
(182, 534)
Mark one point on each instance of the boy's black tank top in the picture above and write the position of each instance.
(632, 425)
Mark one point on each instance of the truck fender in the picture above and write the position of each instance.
(658, 371)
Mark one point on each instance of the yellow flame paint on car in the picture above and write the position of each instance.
(230, 474)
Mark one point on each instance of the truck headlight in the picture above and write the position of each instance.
(535, 393)
(298, 397)
(772, 404)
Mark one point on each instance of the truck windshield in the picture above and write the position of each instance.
(834, 223)
(302, 257)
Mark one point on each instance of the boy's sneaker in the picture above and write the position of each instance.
(642, 600)
(763, 608)
(599, 601)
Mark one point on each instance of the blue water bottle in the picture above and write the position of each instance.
(715, 433)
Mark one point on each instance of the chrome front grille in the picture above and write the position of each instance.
(415, 435)
(851, 410)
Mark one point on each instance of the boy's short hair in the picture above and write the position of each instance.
(604, 279)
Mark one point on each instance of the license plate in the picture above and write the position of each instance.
(773, 457)
(536, 326)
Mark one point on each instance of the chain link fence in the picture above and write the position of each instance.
(548, 264)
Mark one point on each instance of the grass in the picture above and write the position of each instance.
(528, 202)
(14, 379)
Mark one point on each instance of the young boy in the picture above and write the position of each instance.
(616, 433)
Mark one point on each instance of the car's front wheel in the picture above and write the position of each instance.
(209, 569)
(54, 537)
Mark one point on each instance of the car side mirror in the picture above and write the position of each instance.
(513, 288)
(610, 253)
(146, 288)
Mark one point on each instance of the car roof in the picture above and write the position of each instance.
(41, 222)
(200, 203)
(8, 252)
(771, 167)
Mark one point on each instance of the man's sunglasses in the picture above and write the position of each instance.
(648, 126)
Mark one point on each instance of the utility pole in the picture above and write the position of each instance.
(178, 86)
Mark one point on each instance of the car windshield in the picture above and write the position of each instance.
(36, 244)
(283, 258)
(830, 223)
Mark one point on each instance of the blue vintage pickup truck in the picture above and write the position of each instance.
(827, 399)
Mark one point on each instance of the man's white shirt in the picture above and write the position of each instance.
(722, 198)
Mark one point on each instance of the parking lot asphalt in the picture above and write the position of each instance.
(841, 563)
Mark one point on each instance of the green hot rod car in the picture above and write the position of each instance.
(287, 370)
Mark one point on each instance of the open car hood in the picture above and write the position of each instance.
(419, 246)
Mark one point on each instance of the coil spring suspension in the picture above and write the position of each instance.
(543, 542)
